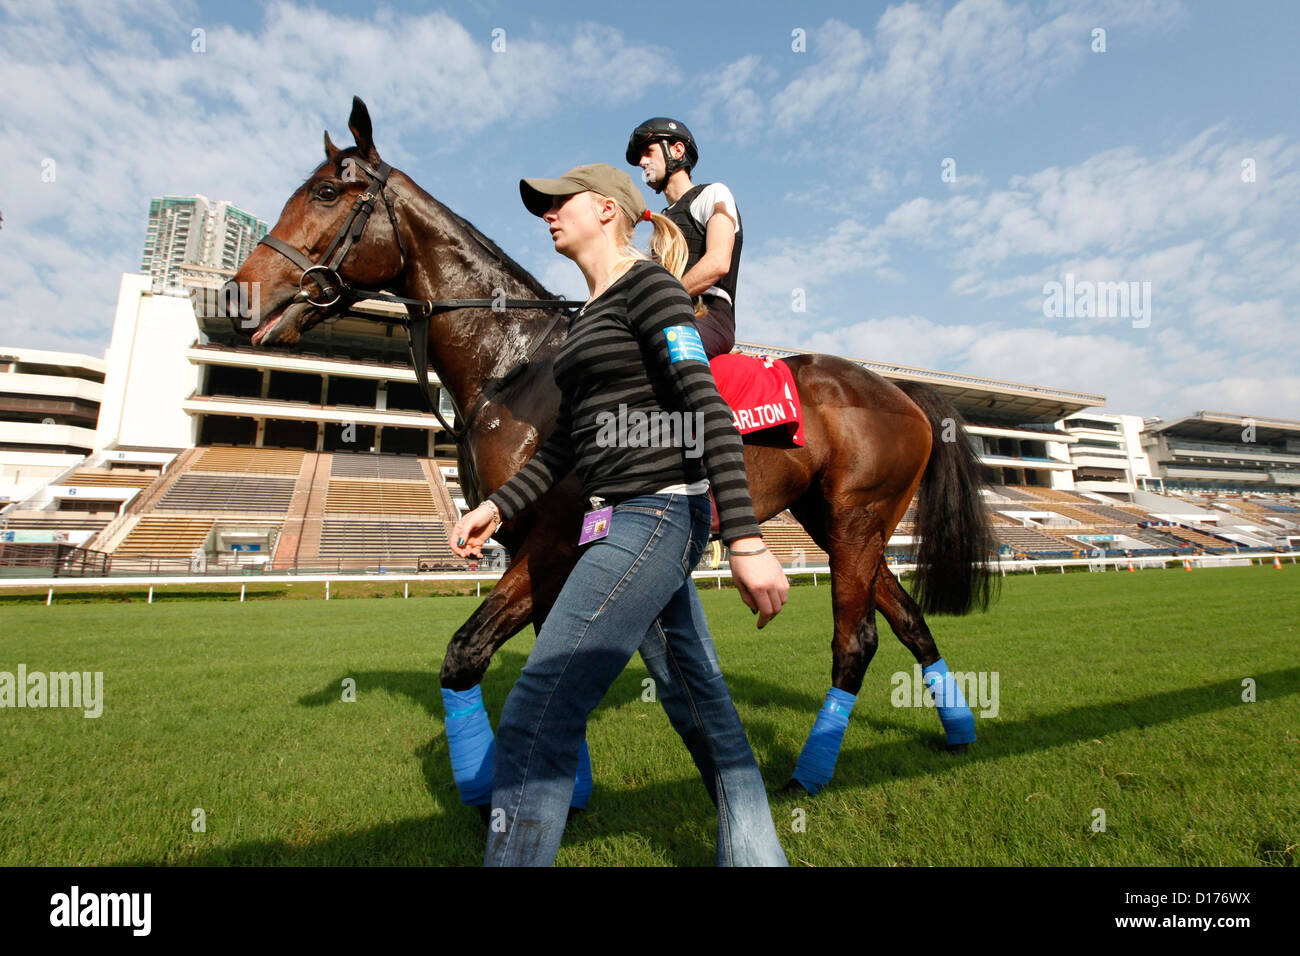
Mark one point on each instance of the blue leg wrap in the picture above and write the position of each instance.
(958, 722)
(582, 786)
(470, 741)
(820, 751)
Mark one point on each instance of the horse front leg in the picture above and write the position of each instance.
(470, 743)
(526, 592)
(504, 613)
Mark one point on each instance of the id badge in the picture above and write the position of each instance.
(595, 523)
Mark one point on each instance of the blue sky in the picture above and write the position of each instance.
(1117, 166)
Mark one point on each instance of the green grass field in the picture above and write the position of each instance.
(1119, 692)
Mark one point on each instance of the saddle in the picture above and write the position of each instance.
(762, 395)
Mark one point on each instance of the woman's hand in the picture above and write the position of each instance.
(472, 531)
(759, 578)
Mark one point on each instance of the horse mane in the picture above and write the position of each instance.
(514, 269)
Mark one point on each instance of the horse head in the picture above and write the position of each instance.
(325, 243)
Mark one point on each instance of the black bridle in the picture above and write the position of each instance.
(341, 295)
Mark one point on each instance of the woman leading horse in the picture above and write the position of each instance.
(870, 445)
(633, 348)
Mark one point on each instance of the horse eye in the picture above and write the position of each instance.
(326, 192)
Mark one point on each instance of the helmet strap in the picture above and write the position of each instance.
(671, 163)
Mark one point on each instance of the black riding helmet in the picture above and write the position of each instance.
(664, 131)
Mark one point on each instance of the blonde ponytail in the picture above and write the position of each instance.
(668, 245)
(668, 248)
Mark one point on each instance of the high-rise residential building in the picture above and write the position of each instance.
(194, 238)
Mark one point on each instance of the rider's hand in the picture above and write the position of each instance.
(472, 531)
(759, 578)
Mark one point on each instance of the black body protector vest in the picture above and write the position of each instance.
(680, 213)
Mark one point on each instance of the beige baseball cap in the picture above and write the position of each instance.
(599, 178)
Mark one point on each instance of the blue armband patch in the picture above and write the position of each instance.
(684, 344)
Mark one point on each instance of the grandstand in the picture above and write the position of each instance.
(1218, 453)
(209, 453)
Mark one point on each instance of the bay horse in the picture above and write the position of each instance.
(869, 445)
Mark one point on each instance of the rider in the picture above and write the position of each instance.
(708, 218)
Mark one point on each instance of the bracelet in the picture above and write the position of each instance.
(745, 554)
(496, 511)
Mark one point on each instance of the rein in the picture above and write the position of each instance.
(340, 294)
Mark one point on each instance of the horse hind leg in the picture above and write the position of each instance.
(855, 544)
(905, 617)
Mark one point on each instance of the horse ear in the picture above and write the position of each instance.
(330, 149)
(359, 124)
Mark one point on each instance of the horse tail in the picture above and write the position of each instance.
(956, 539)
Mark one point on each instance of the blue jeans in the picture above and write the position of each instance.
(632, 587)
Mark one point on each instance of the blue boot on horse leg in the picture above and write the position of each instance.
(954, 713)
(909, 626)
(816, 763)
(853, 545)
(471, 747)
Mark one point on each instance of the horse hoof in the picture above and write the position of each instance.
(957, 749)
(793, 788)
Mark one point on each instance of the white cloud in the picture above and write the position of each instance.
(1224, 275)
(127, 113)
(922, 71)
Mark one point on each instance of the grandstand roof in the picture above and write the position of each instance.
(981, 399)
(1226, 426)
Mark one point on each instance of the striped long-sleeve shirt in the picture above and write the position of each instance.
(635, 399)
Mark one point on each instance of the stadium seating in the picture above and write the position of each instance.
(1013, 493)
(1050, 494)
(1198, 538)
(213, 492)
(375, 466)
(39, 522)
(155, 536)
(1031, 541)
(269, 461)
(1114, 514)
(380, 497)
(119, 478)
(1085, 518)
(348, 509)
(790, 543)
(355, 543)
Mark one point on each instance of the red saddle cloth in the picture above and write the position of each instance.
(761, 393)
